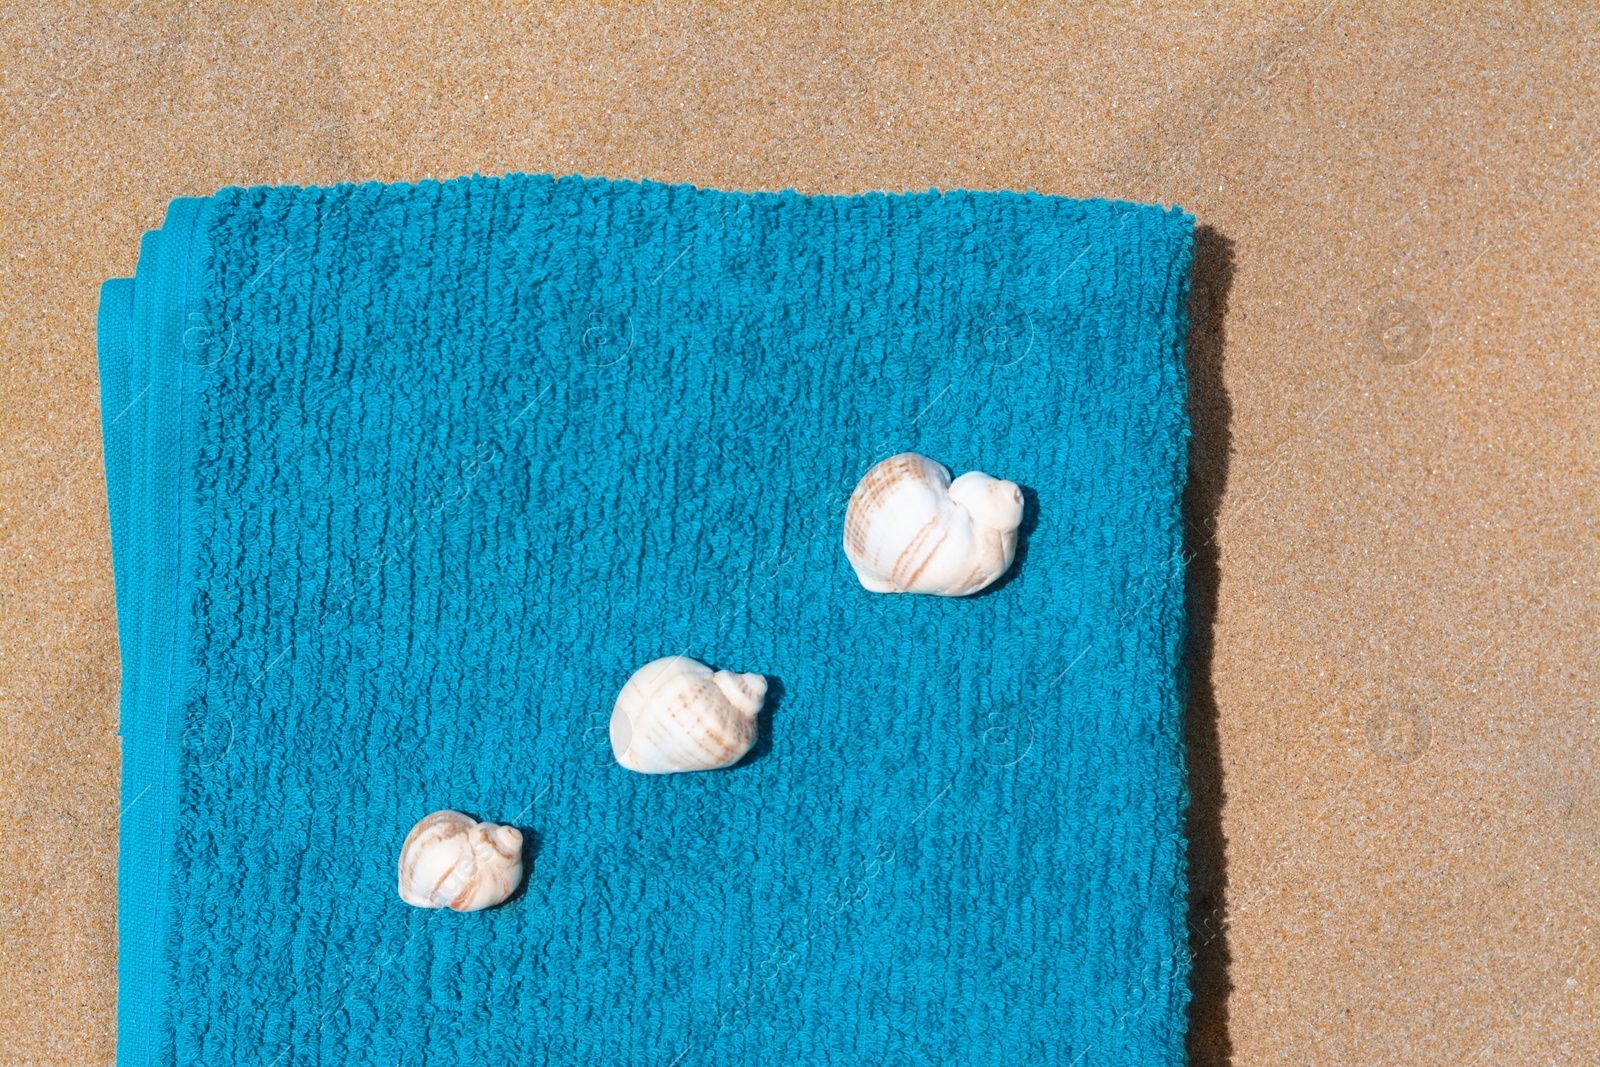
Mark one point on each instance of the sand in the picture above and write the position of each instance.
(1395, 737)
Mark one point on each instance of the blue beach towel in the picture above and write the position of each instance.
(405, 481)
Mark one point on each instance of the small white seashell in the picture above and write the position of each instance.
(676, 714)
(910, 529)
(450, 861)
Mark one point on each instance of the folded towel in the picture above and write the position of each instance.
(406, 480)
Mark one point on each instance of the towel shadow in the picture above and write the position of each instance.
(1030, 519)
(1210, 413)
(764, 720)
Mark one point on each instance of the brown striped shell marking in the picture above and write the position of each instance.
(676, 714)
(451, 861)
(910, 529)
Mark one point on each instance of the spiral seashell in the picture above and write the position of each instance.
(910, 529)
(676, 714)
(451, 861)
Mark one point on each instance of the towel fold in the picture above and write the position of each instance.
(406, 480)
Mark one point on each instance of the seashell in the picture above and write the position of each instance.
(676, 714)
(451, 861)
(910, 529)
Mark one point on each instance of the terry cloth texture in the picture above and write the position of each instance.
(406, 480)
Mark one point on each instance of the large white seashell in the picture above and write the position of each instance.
(450, 861)
(910, 529)
(676, 714)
